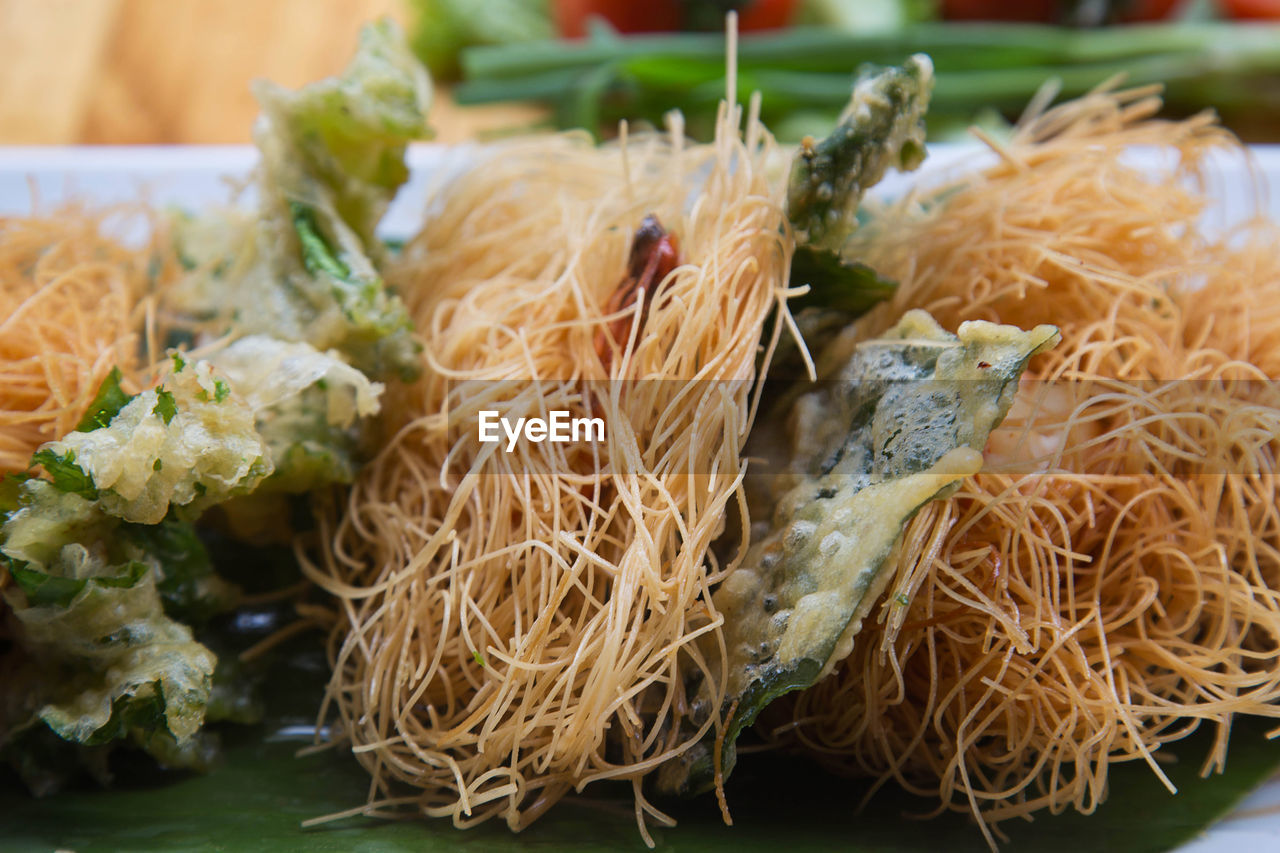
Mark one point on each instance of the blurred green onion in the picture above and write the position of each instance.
(594, 82)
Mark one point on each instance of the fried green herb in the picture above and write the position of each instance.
(834, 284)
(882, 127)
(174, 446)
(106, 403)
(304, 267)
(901, 423)
(308, 407)
(109, 574)
(103, 659)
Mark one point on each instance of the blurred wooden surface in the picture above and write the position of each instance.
(177, 71)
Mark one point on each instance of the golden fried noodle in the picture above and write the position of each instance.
(73, 303)
(1044, 624)
(511, 622)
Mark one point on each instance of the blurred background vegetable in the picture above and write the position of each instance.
(619, 60)
(447, 26)
(1260, 10)
(158, 72)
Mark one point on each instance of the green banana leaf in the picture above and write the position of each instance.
(259, 796)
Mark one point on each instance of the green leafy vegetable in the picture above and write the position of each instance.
(65, 474)
(105, 561)
(102, 660)
(303, 268)
(165, 406)
(308, 407)
(836, 284)
(444, 27)
(106, 403)
(901, 423)
(45, 590)
(335, 151)
(882, 127)
(102, 657)
(172, 426)
(840, 291)
(344, 138)
(189, 588)
(378, 334)
(108, 574)
(263, 791)
(316, 254)
(46, 520)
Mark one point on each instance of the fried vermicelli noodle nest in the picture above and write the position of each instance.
(511, 622)
(1109, 583)
(73, 302)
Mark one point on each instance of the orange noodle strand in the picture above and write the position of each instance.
(512, 625)
(1109, 583)
(74, 304)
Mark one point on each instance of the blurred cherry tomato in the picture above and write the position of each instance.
(663, 15)
(1049, 11)
(999, 10)
(625, 17)
(1251, 10)
(766, 15)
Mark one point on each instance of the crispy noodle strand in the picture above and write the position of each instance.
(73, 305)
(1110, 582)
(510, 623)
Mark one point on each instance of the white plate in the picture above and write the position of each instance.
(193, 177)
(189, 177)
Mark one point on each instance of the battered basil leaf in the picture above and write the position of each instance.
(901, 423)
(178, 445)
(108, 575)
(303, 267)
(45, 590)
(101, 569)
(882, 127)
(309, 407)
(101, 659)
